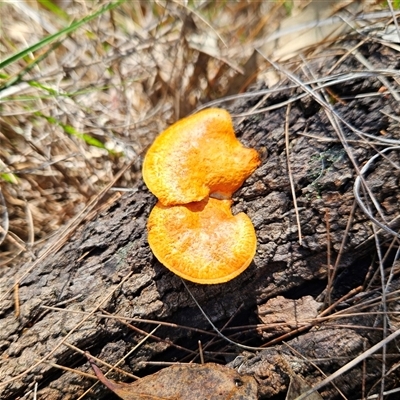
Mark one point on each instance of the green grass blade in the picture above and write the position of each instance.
(47, 89)
(70, 130)
(36, 61)
(52, 7)
(74, 26)
(8, 177)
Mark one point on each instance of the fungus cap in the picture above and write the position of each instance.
(198, 156)
(202, 242)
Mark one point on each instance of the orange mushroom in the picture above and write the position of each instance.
(192, 234)
(202, 242)
(196, 156)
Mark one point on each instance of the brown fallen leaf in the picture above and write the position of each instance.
(186, 382)
(290, 313)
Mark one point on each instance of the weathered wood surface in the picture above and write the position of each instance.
(103, 251)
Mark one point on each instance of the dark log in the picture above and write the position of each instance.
(96, 260)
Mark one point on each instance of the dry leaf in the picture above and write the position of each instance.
(186, 382)
(290, 313)
(312, 25)
(298, 386)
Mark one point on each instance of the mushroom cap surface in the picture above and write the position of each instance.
(202, 242)
(198, 156)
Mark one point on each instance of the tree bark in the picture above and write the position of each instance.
(107, 266)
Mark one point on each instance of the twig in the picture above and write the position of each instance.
(350, 365)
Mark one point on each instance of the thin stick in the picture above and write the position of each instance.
(290, 174)
(201, 352)
(16, 301)
(330, 273)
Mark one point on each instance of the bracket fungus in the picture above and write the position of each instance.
(193, 168)
(202, 241)
(198, 156)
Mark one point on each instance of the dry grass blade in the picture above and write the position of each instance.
(5, 223)
(296, 208)
(217, 331)
(351, 364)
(357, 187)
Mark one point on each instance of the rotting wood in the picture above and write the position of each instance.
(105, 250)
